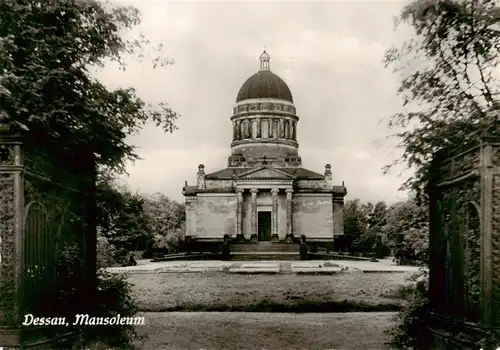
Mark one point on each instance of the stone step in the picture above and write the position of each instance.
(242, 256)
(265, 247)
(254, 270)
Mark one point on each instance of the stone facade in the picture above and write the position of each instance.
(264, 194)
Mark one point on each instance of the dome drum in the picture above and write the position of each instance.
(257, 128)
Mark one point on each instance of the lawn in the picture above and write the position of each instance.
(235, 330)
(214, 291)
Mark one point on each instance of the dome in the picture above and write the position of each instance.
(264, 84)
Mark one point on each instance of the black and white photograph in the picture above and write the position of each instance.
(258, 175)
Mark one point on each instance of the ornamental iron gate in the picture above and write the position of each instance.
(44, 206)
(464, 271)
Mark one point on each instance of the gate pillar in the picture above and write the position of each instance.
(11, 237)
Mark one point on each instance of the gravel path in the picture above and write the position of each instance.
(235, 330)
(146, 266)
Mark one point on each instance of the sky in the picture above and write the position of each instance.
(329, 54)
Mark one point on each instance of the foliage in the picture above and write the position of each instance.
(406, 231)
(379, 229)
(68, 283)
(109, 255)
(166, 219)
(449, 78)
(131, 221)
(121, 216)
(363, 224)
(411, 332)
(105, 252)
(371, 240)
(165, 215)
(113, 296)
(354, 221)
(47, 92)
(47, 51)
(172, 242)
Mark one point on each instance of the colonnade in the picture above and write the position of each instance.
(255, 128)
(254, 212)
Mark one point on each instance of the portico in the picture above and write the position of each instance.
(260, 204)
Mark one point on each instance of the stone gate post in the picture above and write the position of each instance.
(11, 237)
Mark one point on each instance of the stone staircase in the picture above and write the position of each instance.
(265, 251)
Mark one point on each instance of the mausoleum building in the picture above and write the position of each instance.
(264, 193)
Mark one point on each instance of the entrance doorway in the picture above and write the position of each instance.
(264, 222)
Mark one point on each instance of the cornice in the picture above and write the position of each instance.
(272, 107)
(264, 114)
(285, 142)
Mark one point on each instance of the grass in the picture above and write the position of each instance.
(282, 311)
(212, 291)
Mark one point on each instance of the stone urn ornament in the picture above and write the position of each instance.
(303, 248)
(226, 250)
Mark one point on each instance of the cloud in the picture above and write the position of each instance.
(329, 53)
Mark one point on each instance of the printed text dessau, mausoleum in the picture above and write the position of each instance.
(264, 194)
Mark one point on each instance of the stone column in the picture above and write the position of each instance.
(289, 217)
(486, 173)
(238, 130)
(251, 129)
(11, 238)
(274, 214)
(269, 128)
(239, 213)
(242, 129)
(276, 124)
(254, 235)
(294, 131)
(259, 128)
(246, 129)
(190, 204)
(338, 218)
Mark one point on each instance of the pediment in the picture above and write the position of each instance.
(265, 173)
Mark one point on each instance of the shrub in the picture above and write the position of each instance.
(411, 332)
(106, 253)
(112, 297)
(171, 242)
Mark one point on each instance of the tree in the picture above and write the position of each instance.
(121, 217)
(376, 217)
(406, 231)
(165, 214)
(372, 219)
(354, 222)
(449, 79)
(166, 218)
(47, 90)
(48, 94)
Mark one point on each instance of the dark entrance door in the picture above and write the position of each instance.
(264, 221)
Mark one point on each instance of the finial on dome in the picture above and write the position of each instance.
(264, 60)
